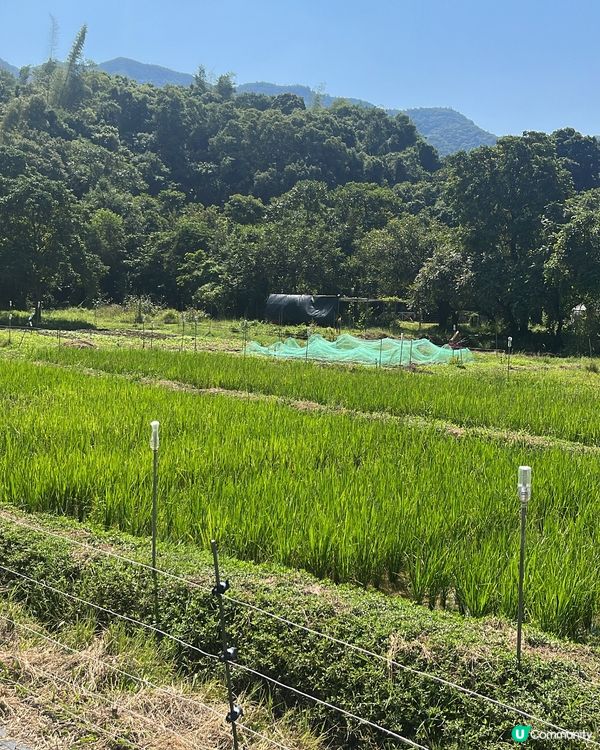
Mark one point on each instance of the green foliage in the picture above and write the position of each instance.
(196, 196)
(498, 197)
(478, 655)
(391, 258)
(75, 445)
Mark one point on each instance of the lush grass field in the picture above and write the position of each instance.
(355, 499)
(173, 328)
(560, 400)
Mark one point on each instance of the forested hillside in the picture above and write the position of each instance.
(145, 73)
(445, 129)
(8, 67)
(195, 196)
(449, 131)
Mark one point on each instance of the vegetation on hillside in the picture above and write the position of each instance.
(558, 682)
(449, 131)
(445, 129)
(197, 197)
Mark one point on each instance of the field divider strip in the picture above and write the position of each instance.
(110, 612)
(165, 634)
(417, 421)
(332, 639)
(140, 680)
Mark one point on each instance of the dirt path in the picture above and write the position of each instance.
(412, 420)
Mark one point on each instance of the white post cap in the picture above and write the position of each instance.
(154, 439)
(524, 485)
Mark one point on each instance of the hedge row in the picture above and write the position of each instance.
(558, 681)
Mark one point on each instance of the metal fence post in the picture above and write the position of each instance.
(228, 653)
(154, 444)
(524, 489)
(245, 332)
(307, 342)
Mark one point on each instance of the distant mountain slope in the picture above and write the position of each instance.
(144, 73)
(449, 131)
(7, 66)
(309, 95)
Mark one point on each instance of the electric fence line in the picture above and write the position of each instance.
(136, 678)
(111, 612)
(332, 639)
(331, 706)
(139, 623)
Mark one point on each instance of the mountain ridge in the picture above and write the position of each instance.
(446, 129)
(146, 72)
(8, 67)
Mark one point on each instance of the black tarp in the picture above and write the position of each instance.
(302, 308)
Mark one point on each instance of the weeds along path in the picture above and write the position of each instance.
(557, 403)
(455, 430)
(56, 699)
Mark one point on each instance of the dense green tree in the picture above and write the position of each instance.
(105, 239)
(498, 196)
(444, 284)
(41, 250)
(388, 260)
(580, 155)
(572, 267)
(301, 251)
(244, 209)
(199, 196)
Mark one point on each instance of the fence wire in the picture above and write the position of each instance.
(338, 641)
(181, 642)
(143, 681)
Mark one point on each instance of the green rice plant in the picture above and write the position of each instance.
(558, 403)
(352, 499)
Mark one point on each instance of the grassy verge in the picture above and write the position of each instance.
(80, 685)
(401, 507)
(558, 682)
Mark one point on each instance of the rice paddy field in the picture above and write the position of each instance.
(400, 480)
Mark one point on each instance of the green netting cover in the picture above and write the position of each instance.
(347, 348)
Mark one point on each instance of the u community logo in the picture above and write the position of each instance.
(520, 733)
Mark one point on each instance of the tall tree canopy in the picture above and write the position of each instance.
(199, 196)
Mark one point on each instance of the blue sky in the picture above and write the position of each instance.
(508, 65)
